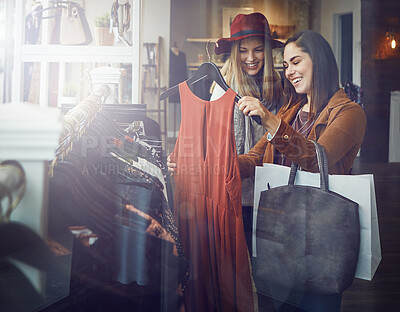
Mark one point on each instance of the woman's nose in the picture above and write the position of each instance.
(289, 70)
(250, 56)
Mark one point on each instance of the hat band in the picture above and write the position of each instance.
(249, 32)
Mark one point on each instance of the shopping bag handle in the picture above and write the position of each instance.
(322, 165)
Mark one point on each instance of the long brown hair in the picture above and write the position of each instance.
(325, 79)
(244, 84)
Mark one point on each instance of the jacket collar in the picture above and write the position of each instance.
(339, 98)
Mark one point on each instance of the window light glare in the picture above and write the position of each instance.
(393, 44)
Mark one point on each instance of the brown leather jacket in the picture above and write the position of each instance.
(339, 129)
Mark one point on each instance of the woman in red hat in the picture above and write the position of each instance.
(250, 71)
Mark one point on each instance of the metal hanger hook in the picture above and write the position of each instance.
(208, 52)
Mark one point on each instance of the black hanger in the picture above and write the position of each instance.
(206, 70)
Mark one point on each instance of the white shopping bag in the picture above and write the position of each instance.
(359, 188)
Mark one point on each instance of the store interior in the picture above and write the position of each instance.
(77, 99)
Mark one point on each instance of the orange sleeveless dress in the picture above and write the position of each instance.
(208, 206)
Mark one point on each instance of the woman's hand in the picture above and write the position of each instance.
(171, 165)
(251, 106)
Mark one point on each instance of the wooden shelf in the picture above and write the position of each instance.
(197, 64)
(149, 65)
(62, 53)
(202, 40)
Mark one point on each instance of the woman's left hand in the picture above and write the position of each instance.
(171, 166)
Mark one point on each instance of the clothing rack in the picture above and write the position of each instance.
(114, 193)
(77, 119)
(124, 114)
(80, 116)
(119, 112)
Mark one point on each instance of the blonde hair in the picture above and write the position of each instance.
(244, 84)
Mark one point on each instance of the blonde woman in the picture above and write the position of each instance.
(250, 71)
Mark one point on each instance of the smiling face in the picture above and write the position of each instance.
(298, 68)
(251, 52)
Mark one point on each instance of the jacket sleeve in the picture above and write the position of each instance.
(341, 139)
(249, 161)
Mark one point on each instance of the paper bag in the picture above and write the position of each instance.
(359, 188)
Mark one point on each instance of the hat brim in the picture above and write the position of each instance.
(223, 45)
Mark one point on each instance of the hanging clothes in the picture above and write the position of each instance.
(113, 185)
(208, 206)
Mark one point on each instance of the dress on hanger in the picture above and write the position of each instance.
(208, 206)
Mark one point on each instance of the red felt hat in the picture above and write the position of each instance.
(246, 25)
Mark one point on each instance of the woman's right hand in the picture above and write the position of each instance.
(171, 165)
(251, 106)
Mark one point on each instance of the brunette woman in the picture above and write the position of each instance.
(318, 109)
